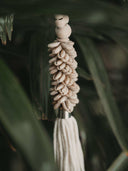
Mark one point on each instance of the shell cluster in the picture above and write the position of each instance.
(64, 88)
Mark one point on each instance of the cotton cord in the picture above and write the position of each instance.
(67, 147)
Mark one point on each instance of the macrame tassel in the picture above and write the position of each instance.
(67, 148)
(64, 89)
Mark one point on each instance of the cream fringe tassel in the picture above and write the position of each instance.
(67, 147)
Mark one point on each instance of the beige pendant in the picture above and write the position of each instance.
(62, 67)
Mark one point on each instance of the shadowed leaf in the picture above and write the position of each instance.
(17, 118)
(6, 27)
(120, 164)
(99, 75)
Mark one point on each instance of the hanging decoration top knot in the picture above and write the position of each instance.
(63, 29)
(64, 88)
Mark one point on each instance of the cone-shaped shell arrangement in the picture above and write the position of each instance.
(62, 62)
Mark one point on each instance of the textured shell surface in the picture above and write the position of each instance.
(62, 63)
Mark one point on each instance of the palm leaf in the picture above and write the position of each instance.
(6, 27)
(99, 75)
(17, 118)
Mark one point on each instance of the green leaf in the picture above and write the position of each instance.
(83, 74)
(82, 12)
(17, 118)
(39, 73)
(120, 164)
(103, 88)
(9, 25)
(119, 36)
(6, 27)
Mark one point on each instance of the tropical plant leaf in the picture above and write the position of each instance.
(17, 118)
(119, 36)
(6, 27)
(99, 75)
(39, 73)
(99, 13)
(120, 164)
(83, 74)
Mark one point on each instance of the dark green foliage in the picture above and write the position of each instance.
(6, 27)
(17, 118)
(100, 32)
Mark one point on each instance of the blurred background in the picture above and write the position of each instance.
(100, 33)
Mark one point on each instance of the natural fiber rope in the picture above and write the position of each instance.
(67, 148)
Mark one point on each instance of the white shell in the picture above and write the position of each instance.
(62, 67)
(53, 93)
(56, 50)
(67, 80)
(57, 62)
(64, 90)
(57, 97)
(64, 98)
(57, 76)
(61, 79)
(60, 86)
(54, 44)
(61, 54)
(53, 71)
(52, 60)
(66, 58)
(57, 105)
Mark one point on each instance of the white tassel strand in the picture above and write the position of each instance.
(67, 148)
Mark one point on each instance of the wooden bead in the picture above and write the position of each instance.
(61, 20)
(64, 32)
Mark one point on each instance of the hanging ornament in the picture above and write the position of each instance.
(67, 147)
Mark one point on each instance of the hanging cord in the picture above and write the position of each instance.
(67, 147)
